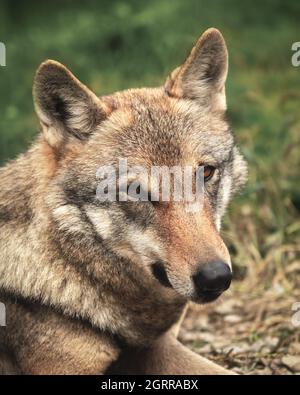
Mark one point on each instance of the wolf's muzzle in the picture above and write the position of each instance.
(211, 280)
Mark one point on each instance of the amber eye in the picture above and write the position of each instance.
(208, 172)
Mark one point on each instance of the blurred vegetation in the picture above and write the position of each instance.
(112, 45)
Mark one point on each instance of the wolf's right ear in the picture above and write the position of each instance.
(66, 108)
(202, 76)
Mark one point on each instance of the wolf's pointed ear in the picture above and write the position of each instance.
(66, 108)
(202, 76)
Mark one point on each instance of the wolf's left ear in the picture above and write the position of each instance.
(66, 108)
(202, 76)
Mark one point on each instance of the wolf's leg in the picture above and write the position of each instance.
(43, 341)
(167, 356)
(66, 348)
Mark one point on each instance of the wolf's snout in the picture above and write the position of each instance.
(212, 279)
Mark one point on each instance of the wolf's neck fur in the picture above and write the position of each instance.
(63, 265)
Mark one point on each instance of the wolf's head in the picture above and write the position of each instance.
(180, 124)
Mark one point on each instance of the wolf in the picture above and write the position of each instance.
(94, 287)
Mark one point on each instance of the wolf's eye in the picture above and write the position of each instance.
(208, 172)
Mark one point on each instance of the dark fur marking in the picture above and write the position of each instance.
(160, 274)
(60, 109)
(23, 214)
(141, 213)
(5, 214)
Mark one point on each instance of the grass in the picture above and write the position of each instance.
(111, 45)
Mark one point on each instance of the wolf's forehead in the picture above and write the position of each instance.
(166, 130)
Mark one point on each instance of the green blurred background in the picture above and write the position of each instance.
(112, 45)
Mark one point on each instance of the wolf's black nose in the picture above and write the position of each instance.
(213, 277)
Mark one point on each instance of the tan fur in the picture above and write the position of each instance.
(76, 275)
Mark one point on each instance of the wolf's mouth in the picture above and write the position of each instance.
(201, 297)
(206, 297)
(160, 274)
